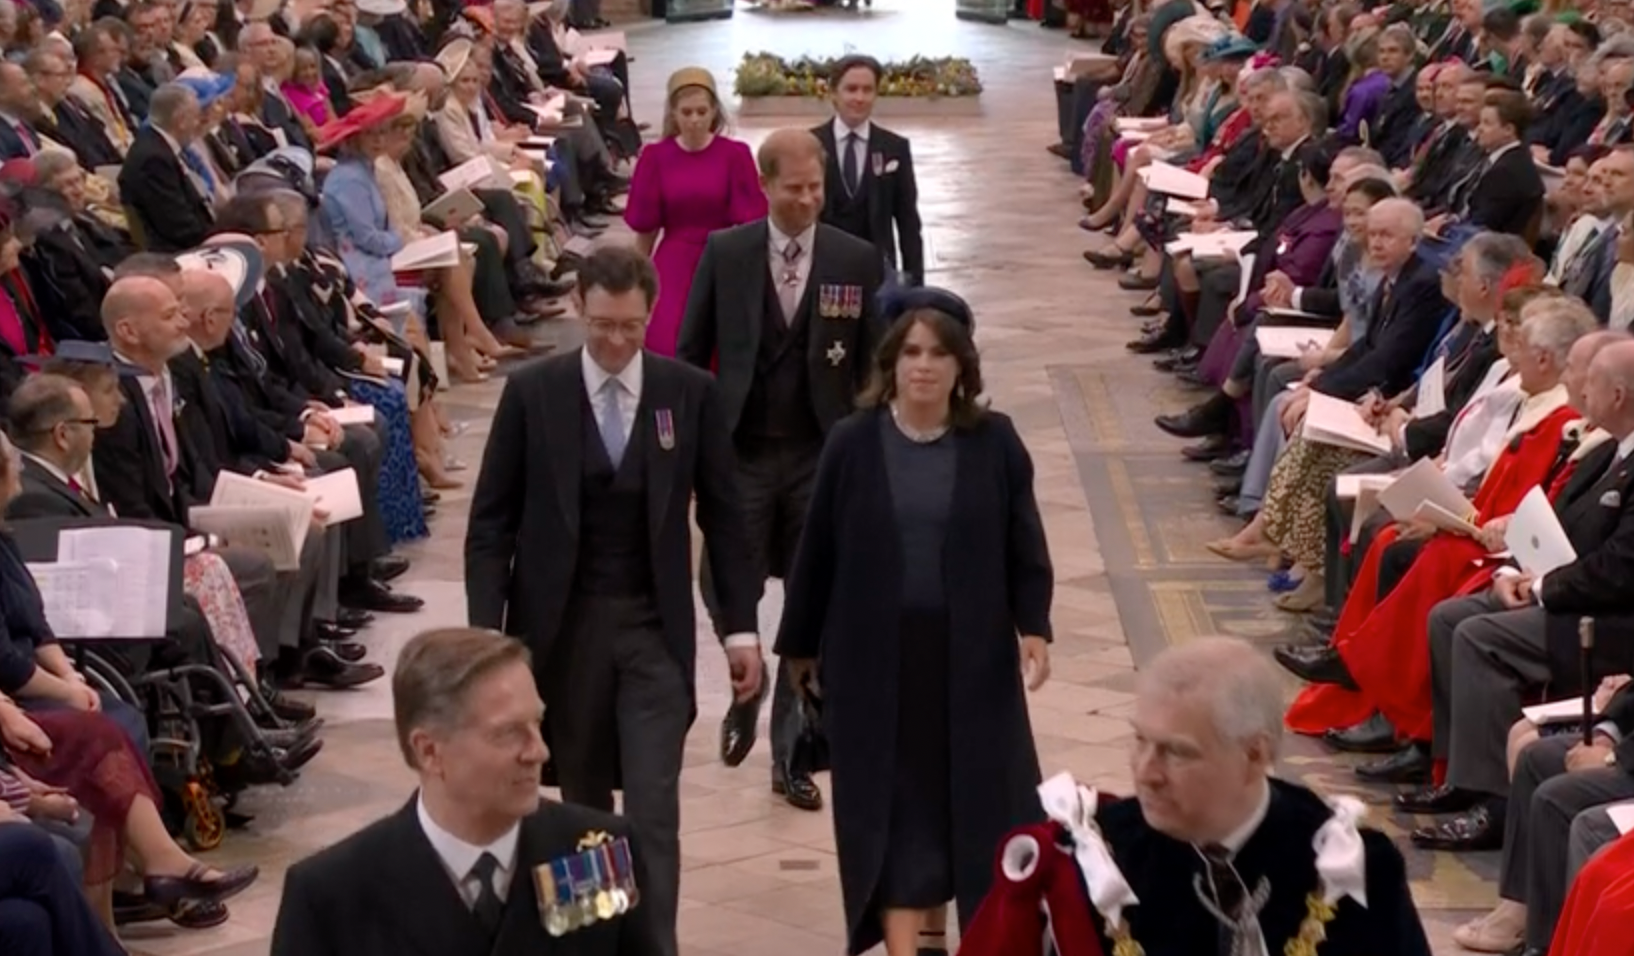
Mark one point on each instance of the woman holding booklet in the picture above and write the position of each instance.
(1382, 638)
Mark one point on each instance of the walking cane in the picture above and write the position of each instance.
(1585, 636)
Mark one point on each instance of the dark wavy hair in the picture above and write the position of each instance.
(965, 408)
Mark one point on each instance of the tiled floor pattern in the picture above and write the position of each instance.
(760, 877)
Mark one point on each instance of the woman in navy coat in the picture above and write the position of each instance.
(919, 598)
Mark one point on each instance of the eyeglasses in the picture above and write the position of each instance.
(91, 422)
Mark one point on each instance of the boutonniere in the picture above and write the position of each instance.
(1611, 499)
(891, 166)
(176, 406)
(664, 420)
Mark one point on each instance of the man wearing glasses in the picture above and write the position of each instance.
(579, 545)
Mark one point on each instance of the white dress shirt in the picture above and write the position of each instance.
(802, 268)
(841, 131)
(458, 856)
(629, 400)
(1234, 842)
(1477, 433)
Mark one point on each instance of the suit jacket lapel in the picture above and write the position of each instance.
(520, 928)
(659, 394)
(566, 391)
(754, 285)
(57, 486)
(422, 897)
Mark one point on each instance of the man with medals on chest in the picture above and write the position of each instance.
(580, 546)
(870, 190)
(1213, 856)
(784, 309)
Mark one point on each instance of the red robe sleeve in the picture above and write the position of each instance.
(1600, 908)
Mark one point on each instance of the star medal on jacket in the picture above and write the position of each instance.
(836, 353)
(664, 419)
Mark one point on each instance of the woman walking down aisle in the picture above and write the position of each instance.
(687, 185)
(884, 632)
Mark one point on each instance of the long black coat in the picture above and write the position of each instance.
(842, 607)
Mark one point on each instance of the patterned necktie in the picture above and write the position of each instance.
(612, 421)
(852, 169)
(487, 908)
(788, 281)
(165, 422)
(1230, 895)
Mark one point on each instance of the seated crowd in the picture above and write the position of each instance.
(1419, 215)
(200, 206)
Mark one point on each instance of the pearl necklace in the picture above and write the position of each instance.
(915, 435)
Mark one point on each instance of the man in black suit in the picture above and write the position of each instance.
(788, 306)
(170, 199)
(449, 874)
(869, 184)
(18, 104)
(579, 544)
(63, 118)
(1392, 132)
(1504, 191)
(1491, 651)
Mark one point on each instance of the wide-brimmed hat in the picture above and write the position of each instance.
(76, 350)
(483, 17)
(363, 117)
(382, 8)
(454, 55)
(232, 256)
(905, 299)
(207, 85)
(1232, 47)
(690, 76)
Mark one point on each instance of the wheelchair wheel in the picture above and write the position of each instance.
(205, 826)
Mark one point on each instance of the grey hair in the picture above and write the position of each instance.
(1402, 34)
(1555, 323)
(1265, 77)
(1491, 254)
(1362, 156)
(167, 100)
(1370, 171)
(43, 58)
(1236, 684)
(51, 162)
(1298, 80)
(1618, 47)
(1315, 109)
(1404, 209)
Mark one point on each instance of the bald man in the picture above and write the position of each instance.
(1493, 651)
(784, 308)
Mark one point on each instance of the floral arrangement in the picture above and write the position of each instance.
(764, 74)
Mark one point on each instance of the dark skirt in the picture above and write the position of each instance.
(918, 871)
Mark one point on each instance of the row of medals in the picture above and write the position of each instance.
(604, 896)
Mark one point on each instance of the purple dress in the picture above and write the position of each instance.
(686, 196)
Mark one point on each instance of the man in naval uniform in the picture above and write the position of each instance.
(1218, 852)
(784, 308)
(869, 189)
(579, 544)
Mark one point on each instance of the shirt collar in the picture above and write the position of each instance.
(595, 377)
(459, 856)
(781, 239)
(175, 145)
(17, 121)
(841, 131)
(1289, 152)
(50, 466)
(1238, 838)
(144, 377)
(1625, 447)
(1492, 157)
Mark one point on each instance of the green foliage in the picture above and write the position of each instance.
(763, 74)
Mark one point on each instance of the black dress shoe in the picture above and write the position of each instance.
(330, 631)
(374, 596)
(738, 726)
(1467, 832)
(1211, 417)
(170, 890)
(388, 568)
(1231, 486)
(1375, 735)
(1210, 448)
(1229, 505)
(1232, 465)
(131, 908)
(1325, 618)
(349, 651)
(353, 619)
(1443, 798)
(1150, 344)
(287, 708)
(1411, 764)
(1192, 377)
(322, 666)
(801, 792)
(1315, 665)
(1104, 259)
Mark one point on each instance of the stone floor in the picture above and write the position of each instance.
(999, 213)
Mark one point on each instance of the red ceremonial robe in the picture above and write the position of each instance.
(1037, 904)
(1600, 908)
(1385, 644)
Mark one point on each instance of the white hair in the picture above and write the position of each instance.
(1233, 681)
(1555, 323)
(1402, 210)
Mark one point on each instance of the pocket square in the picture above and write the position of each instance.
(1611, 499)
(891, 166)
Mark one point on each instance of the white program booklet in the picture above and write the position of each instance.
(441, 251)
(337, 494)
(353, 415)
(1289, 341)
(1622, 817)
(1334, 421)
(1535, 537)
(138, 593)
(258, 514)
(1432, 390)
(1555, 712)
(1423, 483)
(1170, 180)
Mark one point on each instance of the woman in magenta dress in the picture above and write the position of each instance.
(687, 185)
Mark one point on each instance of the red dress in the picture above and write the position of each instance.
(1385, 644)
(96, 762)
(1600, 908)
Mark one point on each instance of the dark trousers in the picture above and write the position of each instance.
(490, 289)
(774, 491)
(1483, 661)
(42, 911)
(503, 210)
(612, 686)
(366, 537)
(1217, 284)
(1544, 800)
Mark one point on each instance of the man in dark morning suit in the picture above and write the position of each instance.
(18, 137)
(452, 873)
(63, 118)
(579, 545)
(1222, 855)
(1504, 191)
(1492, 651)
(869, 188)
(168, 198)
(784, 309)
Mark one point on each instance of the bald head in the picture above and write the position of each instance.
(1581, 357)
(144, 321)
(791, 174)
(1609, 392)
(207, 298)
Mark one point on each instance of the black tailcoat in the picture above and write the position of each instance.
(1596, 510)
(1171, 921)
(130, 464)
(843, 607)
(888, 193)
(522, 541)
(384, 891)
(155, 186)
(728, 299)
